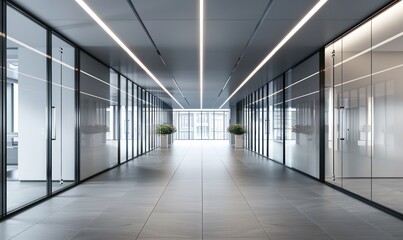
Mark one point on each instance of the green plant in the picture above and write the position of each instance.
(165, 129)
(237, 129)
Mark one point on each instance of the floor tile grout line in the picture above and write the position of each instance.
(243, 196)
(357, 217)
(159, 199)
(324, 230)
(285, 199)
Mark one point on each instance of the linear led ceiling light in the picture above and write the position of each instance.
(98, 20)
(201, 35)
(279, 45)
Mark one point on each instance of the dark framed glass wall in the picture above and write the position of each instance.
(363, 107)
(278, 118)
(61, 113)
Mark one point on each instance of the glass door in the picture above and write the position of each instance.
(351, 119)
(337, 114)
(63, 114)
(355, 104)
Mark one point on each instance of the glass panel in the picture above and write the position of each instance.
(63, 105)
(387, 69)
(129, 120)
(265, 122)
(276, 119)
(253, 122)
(143, 121)
(198, 125)
(302, 116)
(219, 121)
(135, 117)
(261, 123)
(355, 118)
(123, 119)
(205, 125)
(210, 135)
(226, 124)
(192, 126)
(147, 122)
(333, 84)
(26, 110)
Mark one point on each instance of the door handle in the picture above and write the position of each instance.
(53, 124)
(342, 137)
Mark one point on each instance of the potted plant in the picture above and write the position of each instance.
(238, 130)
(164, 130)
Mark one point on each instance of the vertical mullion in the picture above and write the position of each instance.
(138, 121)
(149, 121)
(188, 125)
(254, 120)
(127, 118)
(201, 125)
(3, 99)
(132, 99)
(49, 112)
(119, 119)
(322, 137)
(77, 110)
(154, 121)
(268, 120)
(223, 126)
(258, 109)
(213, 125)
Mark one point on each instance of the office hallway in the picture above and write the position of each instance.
(201, 190)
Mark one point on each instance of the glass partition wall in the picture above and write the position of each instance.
(362, 108)
(49, 83)
(364, 89)
(201, 125)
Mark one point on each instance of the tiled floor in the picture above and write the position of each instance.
(202, 190)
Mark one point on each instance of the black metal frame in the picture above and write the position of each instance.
(119, 120)
(322, 138)
(77, 112)
(49, 112)
(283, 109)
(3, 107)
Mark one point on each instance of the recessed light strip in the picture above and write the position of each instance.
(279, 45)
(201, 35)
(98, 20)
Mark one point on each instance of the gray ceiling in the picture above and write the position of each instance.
(174, 26)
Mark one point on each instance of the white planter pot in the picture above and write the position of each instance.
(164, 140)
(238, 141)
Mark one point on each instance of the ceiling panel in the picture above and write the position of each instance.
(174, 26)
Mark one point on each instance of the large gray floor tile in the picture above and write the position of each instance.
(203, 190)
(232, 225)
(174, 225)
